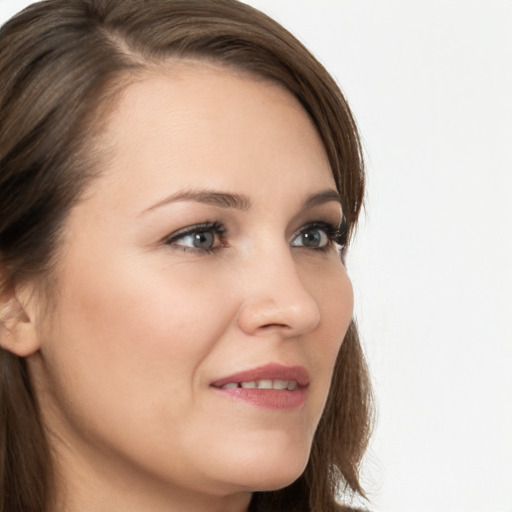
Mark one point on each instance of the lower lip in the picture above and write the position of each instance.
(275, 399)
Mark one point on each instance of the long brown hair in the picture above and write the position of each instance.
(62, 63)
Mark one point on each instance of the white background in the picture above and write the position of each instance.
(430, 83)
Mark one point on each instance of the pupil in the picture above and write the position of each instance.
(312, 238)
(203, 240)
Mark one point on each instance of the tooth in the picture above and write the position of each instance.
(264, 384)
(280, 384)
(291, 385)
(249, 385)
(231, 385)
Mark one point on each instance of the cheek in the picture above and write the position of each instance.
(338, 306)
(332, 290)
(333, 293)
(131, 332)
(122, 359)
(137, 300)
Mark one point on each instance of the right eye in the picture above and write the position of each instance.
(202, 238)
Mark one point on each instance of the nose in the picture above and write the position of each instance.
(276, 298)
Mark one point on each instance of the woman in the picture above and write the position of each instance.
(179, 181)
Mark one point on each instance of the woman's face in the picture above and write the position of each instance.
(202, 258)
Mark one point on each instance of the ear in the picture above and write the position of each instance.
(18, 333)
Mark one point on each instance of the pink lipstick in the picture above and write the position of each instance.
(272, 386)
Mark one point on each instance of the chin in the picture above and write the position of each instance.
(276, 483)
(269, 470)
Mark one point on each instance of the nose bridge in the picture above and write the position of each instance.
(275, 295)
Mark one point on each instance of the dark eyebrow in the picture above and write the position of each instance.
(220, 199)
(321, 197)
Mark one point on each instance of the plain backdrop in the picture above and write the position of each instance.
(430, 84)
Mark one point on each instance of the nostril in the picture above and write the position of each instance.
(273, 327)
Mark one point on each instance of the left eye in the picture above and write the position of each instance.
(314, 237)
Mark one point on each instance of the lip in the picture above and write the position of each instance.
(267, 398)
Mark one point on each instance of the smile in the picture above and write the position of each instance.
(272, 386)
(289, 385)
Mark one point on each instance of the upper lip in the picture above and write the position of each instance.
(271, 371)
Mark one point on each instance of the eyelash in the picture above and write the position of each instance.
(336, 235)
(206, 227)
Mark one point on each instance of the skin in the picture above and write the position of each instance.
(140, 328)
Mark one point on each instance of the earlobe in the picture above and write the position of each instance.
(17, 330)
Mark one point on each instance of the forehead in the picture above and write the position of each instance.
(196, 121)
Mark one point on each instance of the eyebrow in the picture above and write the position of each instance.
(238, 201)
(211, 197)
(319, 198)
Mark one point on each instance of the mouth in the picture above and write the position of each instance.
(272, 386)
(289, 385)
